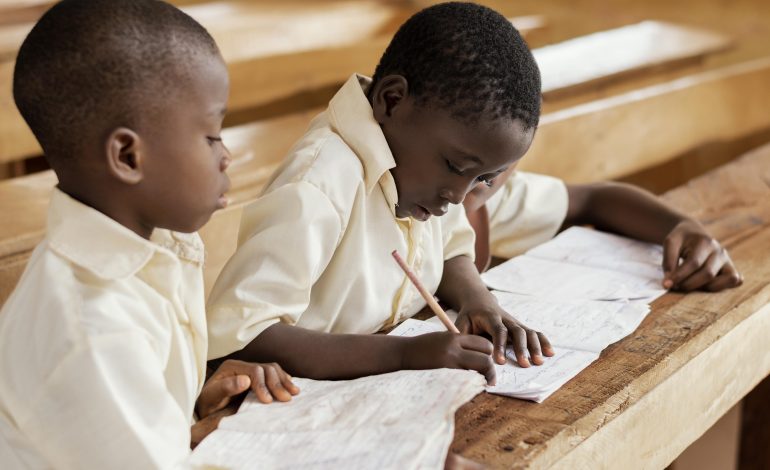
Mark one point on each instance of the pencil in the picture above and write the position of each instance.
(440, 313)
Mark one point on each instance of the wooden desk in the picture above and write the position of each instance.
(652, 394)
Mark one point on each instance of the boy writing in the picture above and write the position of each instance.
(453, 104)
(103, 344)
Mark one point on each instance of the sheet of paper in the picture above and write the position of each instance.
(536, 383)
(372, 422)
(533, 383)
(586, 264)
(586, 325)
(544, 278)
(593, 248)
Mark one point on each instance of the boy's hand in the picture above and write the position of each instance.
(705, 263)
(491, 319)
(207, 425)
(233, 378)
(450, 350)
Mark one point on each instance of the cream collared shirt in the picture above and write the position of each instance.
(102, 347)
(315, 249)
(527, 211)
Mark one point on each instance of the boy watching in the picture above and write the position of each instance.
(103, 343)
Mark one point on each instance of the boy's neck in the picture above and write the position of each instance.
(120, 212)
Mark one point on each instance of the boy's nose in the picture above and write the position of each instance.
(224, 163)
(454, 196)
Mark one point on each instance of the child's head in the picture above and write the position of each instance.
(127, 99)
(457, 94)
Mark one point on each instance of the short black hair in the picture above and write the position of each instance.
(468, 59)
(90, 66)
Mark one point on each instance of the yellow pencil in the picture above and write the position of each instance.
(440, 313)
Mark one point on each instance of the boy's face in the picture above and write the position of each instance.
(184, 158)
(440, 159)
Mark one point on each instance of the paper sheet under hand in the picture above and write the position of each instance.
(399, 420)
(578, 330)
(581, 263)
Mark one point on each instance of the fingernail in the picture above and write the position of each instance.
(667, 283)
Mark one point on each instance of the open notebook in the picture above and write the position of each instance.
(584, 289)
(401, 420)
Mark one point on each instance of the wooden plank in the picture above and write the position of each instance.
(578, 64)
(13, 12)
(621, 135)
(653, 393)
(754, 453)
(259, 86)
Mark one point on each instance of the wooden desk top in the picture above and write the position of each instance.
(653, 393)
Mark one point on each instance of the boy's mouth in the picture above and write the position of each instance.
(420, 213)
(423, 213)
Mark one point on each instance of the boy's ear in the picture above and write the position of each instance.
(125, 155)
(389, 94)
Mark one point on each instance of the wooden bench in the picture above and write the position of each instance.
(652, 394)
(275, 84)
(14, 12)
(593, 142)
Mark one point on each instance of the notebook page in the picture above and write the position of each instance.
(593, 248)
(544, 278)
(531, 383)
(582, 263)
(586, 325)
(372, 422)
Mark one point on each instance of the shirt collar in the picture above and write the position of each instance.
(99, 244)
(350, 115)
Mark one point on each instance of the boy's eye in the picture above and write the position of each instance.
(211, 139)
(453, 168)
(487, 180)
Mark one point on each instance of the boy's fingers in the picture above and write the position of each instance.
(672, 246)
(545, 344)
(476, 343)
(519, 337)
(499, 339)
(463, 324)
(259, 387)
(727, 278)
(704, 275)
(692, 262)
(287, 383)
(275, 386)
(217, 393)
(479, 362)
(533, 345)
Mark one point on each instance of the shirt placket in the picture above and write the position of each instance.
(414, 258)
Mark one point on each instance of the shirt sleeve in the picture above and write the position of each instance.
(287, 238)
(458, 235)
(106, 405)
(527, 211)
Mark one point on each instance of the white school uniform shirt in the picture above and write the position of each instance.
(527, 211)
(102, 346)
(315, 249)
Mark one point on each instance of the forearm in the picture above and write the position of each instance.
(314, 355)
(623, 209)
(461, 283)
